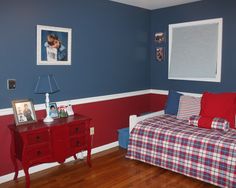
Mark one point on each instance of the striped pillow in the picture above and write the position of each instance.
(188, 106)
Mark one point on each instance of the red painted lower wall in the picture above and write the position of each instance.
(157, 102)
(108, 116)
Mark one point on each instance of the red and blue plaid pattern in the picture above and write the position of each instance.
(217, 123)
(193, 120)
(207, 155)
(220, 124)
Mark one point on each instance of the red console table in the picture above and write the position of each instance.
(38, 143)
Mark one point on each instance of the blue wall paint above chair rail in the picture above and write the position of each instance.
(110, 48)
(206, 9)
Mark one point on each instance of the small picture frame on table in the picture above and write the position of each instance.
(62, 110)
(53, 112)
(70, 111)
(24, 111)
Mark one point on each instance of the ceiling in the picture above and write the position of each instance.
(154, 4)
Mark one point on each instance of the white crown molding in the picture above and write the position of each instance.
(38, 168)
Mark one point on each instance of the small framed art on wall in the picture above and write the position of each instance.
(160, 54)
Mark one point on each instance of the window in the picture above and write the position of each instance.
(195, 50)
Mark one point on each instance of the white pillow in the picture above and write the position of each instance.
(188, 106)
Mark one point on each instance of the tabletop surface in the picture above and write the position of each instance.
(40, 124)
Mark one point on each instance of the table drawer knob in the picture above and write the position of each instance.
(77, 129)
(77, 143)
(37, 137)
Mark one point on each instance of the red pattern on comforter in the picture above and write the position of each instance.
(207, 155)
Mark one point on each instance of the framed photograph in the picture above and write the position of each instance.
(69, 110)
(62, 110)
(23, 111)
(53, 112)
(53, 45)
(160, 54)
(159, 37)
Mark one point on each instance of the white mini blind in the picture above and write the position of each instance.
(195, 50)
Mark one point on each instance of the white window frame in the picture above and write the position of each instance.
(218, 21)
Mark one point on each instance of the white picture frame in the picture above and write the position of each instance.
(53, 45)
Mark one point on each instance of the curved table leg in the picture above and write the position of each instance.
(15, 168)
(14, 161)
(13, 156)
(27, 177)
(75, 157)
(89, 157)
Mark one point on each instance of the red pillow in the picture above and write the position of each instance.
(205, 122)
(222, 105)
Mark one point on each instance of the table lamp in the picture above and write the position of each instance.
(46, 85)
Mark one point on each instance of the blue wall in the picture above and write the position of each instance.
(110, 48)
(206, 9)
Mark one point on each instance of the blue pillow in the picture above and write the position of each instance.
(172, 104)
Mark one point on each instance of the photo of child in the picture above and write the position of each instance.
(53, 113)
(20, 115)
(54, 50)
(23, 111)
(53, 45)
(27, 112)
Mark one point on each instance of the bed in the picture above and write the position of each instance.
(165, 141)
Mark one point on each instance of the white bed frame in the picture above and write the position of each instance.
(134, 119)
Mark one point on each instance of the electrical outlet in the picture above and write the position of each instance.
(11, 84)
(91, 130)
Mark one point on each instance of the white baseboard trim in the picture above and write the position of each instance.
(9, 177)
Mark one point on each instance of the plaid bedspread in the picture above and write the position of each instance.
(207, 155)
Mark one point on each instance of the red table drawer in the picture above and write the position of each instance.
(76, 129)
(36, 143)
(38, 137)
(35, 153)
(77, 142)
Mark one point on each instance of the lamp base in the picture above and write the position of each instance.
(47, 119)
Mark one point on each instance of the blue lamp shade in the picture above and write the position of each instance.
(46, 84)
